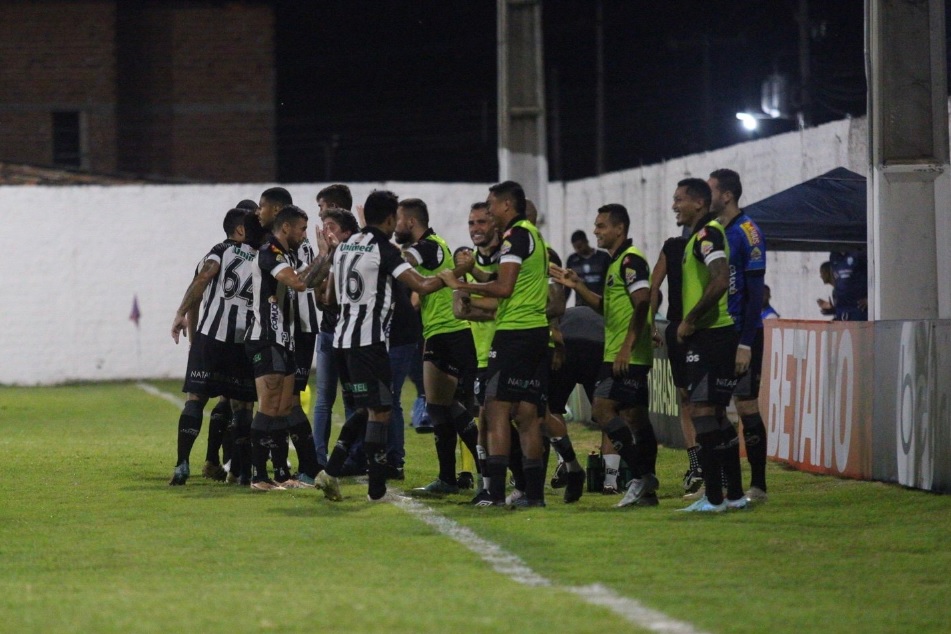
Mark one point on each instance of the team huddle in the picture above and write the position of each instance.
(500, 356)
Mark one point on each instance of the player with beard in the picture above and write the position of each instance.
(449, 356)
(270, 341)
(745, 303)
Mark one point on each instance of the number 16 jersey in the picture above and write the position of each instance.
(364, 269)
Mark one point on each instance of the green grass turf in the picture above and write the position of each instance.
(93, 540)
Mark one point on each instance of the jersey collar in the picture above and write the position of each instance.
(621, 249)
(707, 219)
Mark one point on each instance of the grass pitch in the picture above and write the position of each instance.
(93, 540)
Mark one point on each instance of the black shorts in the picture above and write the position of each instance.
(518, 366)
(578, 369)
(365, 376)
(630, 390)
(270, 358)
(304, 345)
(747, 386)
(711, 365)
(676, 355)
(453, 353)
(218, 368)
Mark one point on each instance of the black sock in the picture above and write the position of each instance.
(279, 447)
(217, 428)
(754, 437)
(497, 467)
(564, 448)
(189, 425)
(354, 428)
(623, 441)
(241, 460)
(534, 470)
(710, 459)
(302, 436)
(693, 456)
(260, 450)
(374, 444)
(515, 461)
(645, 444)
(445, 438)
(730, 461)
(467, 430)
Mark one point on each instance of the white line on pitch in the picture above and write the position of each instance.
(514, 568)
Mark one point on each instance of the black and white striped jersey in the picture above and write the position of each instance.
(274, 303)
(308, 319)
(226, 303)
(364, 270)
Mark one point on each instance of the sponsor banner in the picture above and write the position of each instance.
(912, 431)
(816, 395)
(664, 404)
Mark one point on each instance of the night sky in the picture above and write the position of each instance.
(406, 89)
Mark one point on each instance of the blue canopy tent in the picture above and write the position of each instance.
(825, 213)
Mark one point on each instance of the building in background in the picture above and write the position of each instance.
(179, 91)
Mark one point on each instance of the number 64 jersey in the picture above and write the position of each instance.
(227, 302)
(364, 269)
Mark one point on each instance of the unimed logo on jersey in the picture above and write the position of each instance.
(818, 397)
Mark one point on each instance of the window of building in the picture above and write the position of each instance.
(67, 139)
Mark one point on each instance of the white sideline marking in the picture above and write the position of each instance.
(154, 391)
(514, 568)
(511, 565)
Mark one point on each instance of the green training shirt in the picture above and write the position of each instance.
(433, 255)
(524, 309)
(628, 272)
(705, 246)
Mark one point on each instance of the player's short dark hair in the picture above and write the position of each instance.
(578, 235)
(233, 219)
(697, 188)
(514, 192)
(337, 195)
(481, 206)
(460, 250)
(618, 214)
(728, 181)
(278, 196)
(247, 204)
(826, 267)
(417, 209)
(342, 217)
(380, 205)
(291, 213)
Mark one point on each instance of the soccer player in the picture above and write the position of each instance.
(449, 356)
(306, 327)
(271, 340)
(480, 313)
(711, 342)
(669, 266)
(621, 397)
(216, 362)
(334, 203)
(745, 303)
(518, 359)
(364, 268)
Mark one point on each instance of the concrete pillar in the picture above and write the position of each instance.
(909, 176)
(522, 155)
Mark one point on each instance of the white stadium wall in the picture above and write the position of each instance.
(77, 255)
